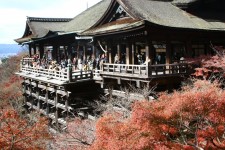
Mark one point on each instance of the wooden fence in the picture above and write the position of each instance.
(122, 70)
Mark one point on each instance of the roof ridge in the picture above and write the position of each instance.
(40, 19)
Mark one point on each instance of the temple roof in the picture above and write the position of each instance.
(161, 13)
(96, 19)
(87, 18)
(39, 27)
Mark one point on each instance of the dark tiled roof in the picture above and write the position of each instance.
(88, 18)
(41, 26)
(166, 14)
(49, 19)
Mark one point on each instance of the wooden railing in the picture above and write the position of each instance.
(122, 70)
(144, 71)
(65, 74)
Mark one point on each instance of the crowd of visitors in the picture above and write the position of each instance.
(80, 63)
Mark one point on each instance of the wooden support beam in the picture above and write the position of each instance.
(128, 54)
(119, 51)
(30, 93)
(37, 96)
(46, 99)
(133, 52)
(93, 51)
(107, 53)
(138, 84)
(119, 81)
(56, 108)
(67, 104)
(58, 54)
(168, 52)
(41, 51)
(55, 53)
(35, 49)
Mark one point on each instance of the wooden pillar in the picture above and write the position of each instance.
(65, 52)
(136, 48)
(110, 55)
(30, 93)
(128, 54)
(24, 90)
(38, 94)
(119, 51)
(58, 54)
(35, 49)
(168, 52)
(147, 50)
(133, 53)
(41, 51)
(56, 108)
(93, 51)
(46, 99)
(54, 52)
(67, 103)
(107, 53)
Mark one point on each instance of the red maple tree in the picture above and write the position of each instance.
(19, 133)
(192, 118)
(210, 65)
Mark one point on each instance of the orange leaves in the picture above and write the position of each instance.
(210, 65)
(17, 133)
(188, 119)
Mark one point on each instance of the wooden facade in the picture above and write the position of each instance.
(163, 34)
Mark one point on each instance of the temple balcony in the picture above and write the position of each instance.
(124, 71)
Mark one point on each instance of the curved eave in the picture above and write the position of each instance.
(115, 30)
(24, 39)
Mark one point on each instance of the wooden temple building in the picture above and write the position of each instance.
(138, 41)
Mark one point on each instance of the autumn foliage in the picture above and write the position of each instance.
(210, 65)
(192, 118)
(19, 133)
(17, 130)
(10, 83)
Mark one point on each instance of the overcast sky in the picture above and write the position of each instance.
(13, 14)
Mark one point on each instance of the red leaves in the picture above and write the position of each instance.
(17, 133)
(208, 65)
(189, 119)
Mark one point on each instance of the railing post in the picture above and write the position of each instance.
(149, 70)
(69, 73)
(139, 67)
(132, 69)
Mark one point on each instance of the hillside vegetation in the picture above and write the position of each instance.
(17, 130)
(189, 118)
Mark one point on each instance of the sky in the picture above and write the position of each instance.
(13, 14)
